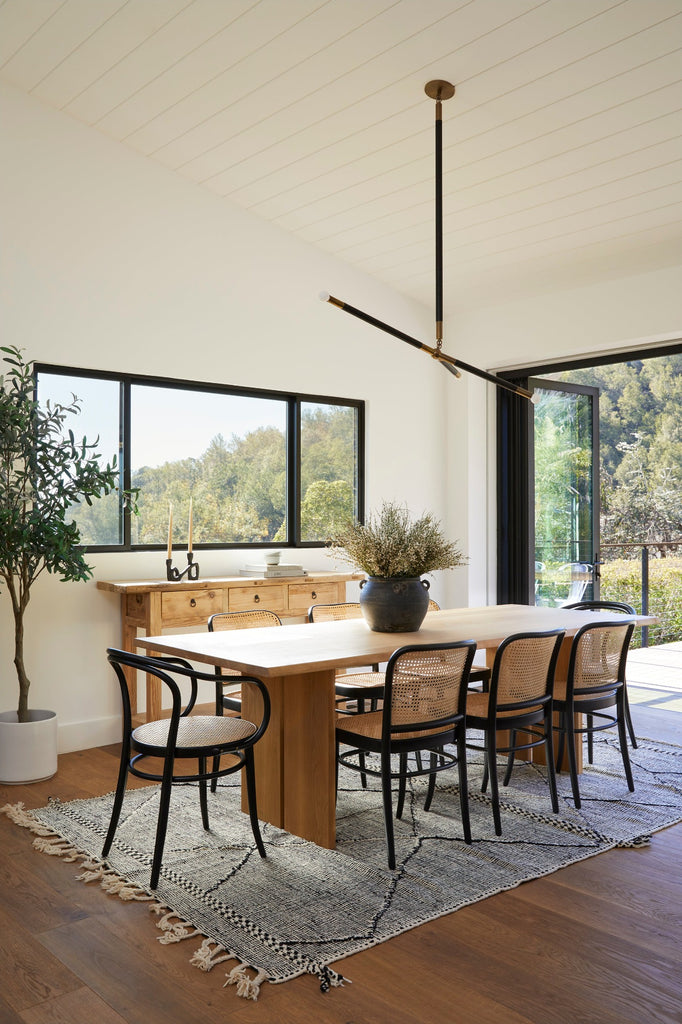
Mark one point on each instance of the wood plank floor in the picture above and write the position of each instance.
(598, 942)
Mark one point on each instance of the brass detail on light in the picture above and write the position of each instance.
(439, 89)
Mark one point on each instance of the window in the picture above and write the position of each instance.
(100, 524)
(329, 460)
(260, 467)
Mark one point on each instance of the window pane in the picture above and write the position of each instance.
(564, 543)
(329, 468)
(100, 523)
(228, 452)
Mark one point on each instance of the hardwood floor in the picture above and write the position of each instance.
(598, 942)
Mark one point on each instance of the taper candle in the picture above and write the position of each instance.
(189, 533)
(170, 530)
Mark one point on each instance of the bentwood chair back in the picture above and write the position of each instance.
(354, 686)
(228, 695)
(231, 700)
(519, 701)
(595, 683)
(603, 606)
(183, 736)
(351, 685)
(609, 606)
(424, 709)
(478, 673)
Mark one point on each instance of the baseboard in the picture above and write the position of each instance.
(96, 732)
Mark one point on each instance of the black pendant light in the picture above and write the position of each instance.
(437, 90)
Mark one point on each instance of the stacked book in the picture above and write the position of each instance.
(271, 571)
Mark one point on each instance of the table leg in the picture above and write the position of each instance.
(153, 627)
(128, 635)
(295, 759)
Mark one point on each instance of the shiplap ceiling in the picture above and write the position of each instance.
(562, 152)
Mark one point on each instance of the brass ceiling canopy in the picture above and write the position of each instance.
(437, 90)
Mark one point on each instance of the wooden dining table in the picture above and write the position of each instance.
(295, 759)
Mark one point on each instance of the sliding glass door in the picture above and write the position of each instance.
(565, 522)
(548, 494)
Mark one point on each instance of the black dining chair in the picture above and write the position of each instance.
(519, 701)
(228, 695)
(180, 737)
(423, 709)
(594, 684)
(626, 609)
(353, 686)
(361, 686)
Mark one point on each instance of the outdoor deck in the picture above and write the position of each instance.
(654, 676)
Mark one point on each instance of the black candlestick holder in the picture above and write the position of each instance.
(191, 572)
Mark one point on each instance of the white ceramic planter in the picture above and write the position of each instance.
(28, 750)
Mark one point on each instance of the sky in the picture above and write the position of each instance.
(167, 424)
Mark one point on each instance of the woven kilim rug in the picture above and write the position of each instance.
(304, 908)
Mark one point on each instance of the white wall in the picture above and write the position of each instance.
(111, 262)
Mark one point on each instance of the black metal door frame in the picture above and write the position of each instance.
(516, 490)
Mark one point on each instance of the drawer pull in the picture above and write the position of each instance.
(314, 595)
(193, 602)
(256, 598)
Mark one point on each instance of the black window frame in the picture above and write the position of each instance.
(515, 464)
(294, 401)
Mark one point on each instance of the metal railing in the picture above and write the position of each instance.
(645, 547)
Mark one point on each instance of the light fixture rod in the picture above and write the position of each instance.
(340, 304)
(439, 90)
(448, 361)
(484, 375)
(439, 223)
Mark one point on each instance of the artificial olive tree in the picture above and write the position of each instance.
(44, 474)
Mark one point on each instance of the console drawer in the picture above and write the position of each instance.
(188, 607)
(302, 595)
(272, 598)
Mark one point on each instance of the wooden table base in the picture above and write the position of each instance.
(295, 759)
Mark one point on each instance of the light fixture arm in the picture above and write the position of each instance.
(437, 90)
(449, 362)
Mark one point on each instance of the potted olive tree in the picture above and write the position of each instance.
(395, 552)
(44, 473)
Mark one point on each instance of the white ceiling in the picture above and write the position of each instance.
(562, 152)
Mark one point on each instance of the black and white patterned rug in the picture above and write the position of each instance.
(304, 908)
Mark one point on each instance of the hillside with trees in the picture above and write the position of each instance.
(238, 487)
(640, 423)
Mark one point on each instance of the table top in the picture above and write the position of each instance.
(216, 582)
(310, 647)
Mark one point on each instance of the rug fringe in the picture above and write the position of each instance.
(210, 954)
(20, 816)
(247, 987)
(328, 977)
(174, 927)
